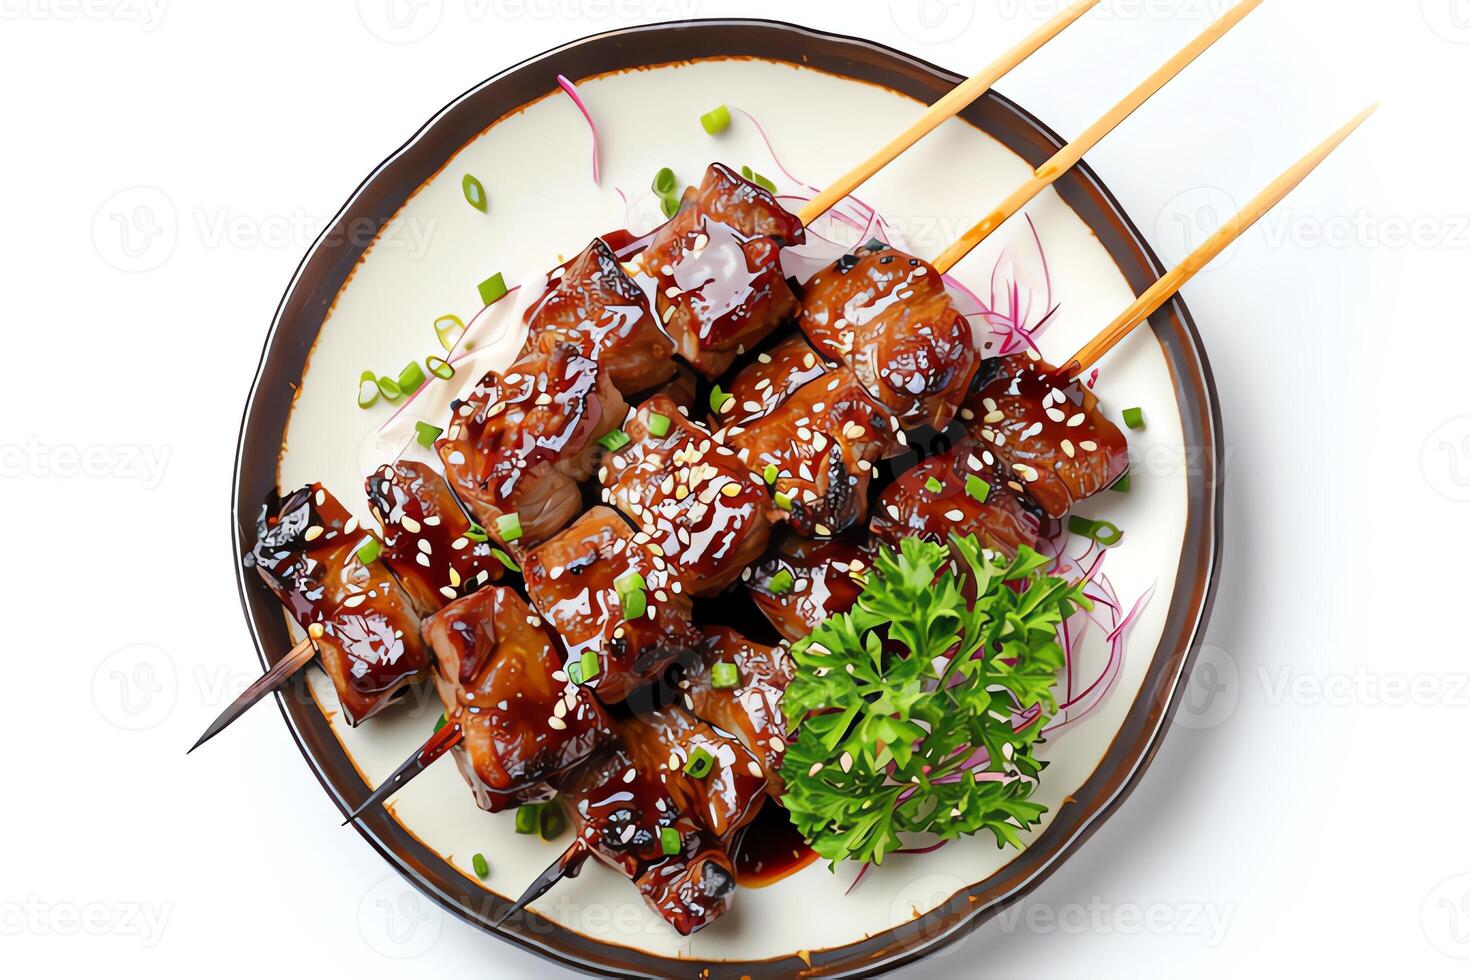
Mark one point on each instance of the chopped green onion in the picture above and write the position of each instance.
(449, 328)
(658, 425)
(770, 473)
(724, 675)
(492, 289)
(664, 182)
(411, 378)
(780, 583)
(669, 840)
(509, 527)
(482, 867)
(368, 391)
(1122, 485)
(670, 205)
(528, 818)
(477, 533)
(590, 667)
(1104, 533)
(933, 485)
(574, 671)
(427, 434)
(632, 595)
(633, 581)
(783, 500)
(700, 763)
(389, 388)
(720, 400)
(474, 192)
(439, 367)
(716, 120)
(977, 488)
(614, 440)
(1133, 418)
(553, 821)
(758, 180)
(369, 552)
(439, 725)
(505, 559)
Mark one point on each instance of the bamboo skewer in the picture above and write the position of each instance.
(1070, 155)
(1172, 281)
(272, 680)
(947, 107)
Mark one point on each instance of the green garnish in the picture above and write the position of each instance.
(614, 440)
(900, 703)
(589, 666)
(933, 485)
(509, 527)
(553, 820)
(439, 725)
(669, 840)
(528, 818)
(389, 388)
(720, 400)
(505, 559)
(780, 583)
(770, 473)
(724, 676)
(758, 180)
(439, 367)
(368, 391)
(665, 183)
(574, 671)
(632, 595)
(1104, 533)
(427, 434)
(1133, 418)
(700, 763)
(369, 551)
(716, 120)
(658, 425)
(482, 867)
(670, 205)
(1122, 485)
(449, 329)
(783, 500)
(977, 488)
(411, 378)
(474, 192)
(477, 533)
(492, 289)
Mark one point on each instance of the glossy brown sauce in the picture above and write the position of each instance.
(771, 849)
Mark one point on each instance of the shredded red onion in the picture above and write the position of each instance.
(571, 90)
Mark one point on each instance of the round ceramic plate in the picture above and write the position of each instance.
(407, 249)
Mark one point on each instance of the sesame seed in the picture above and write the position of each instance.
(313, 532)
(410, 525)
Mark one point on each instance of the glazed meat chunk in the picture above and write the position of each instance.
(737, 685)
(500, 677)
(520, 442)
(774, 377)
(693, 497)
(310, 553)
(889, 317)
(805, 581)
(619, 606)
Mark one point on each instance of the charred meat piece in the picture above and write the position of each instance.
(518, 445)
(711, 775)
(715, 269)
(889, 317)
(594, 305)
(819, 446)
(1048, 431)
(499, 675)
(693, 497)
(428, 542)
(364, 625)
(690, 889)
(751, 708)
(774, 377)
(962, 491)
(805, 581)
(586, 582)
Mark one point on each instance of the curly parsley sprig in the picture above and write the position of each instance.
(917, 712)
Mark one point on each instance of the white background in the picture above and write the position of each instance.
(1308, 811)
